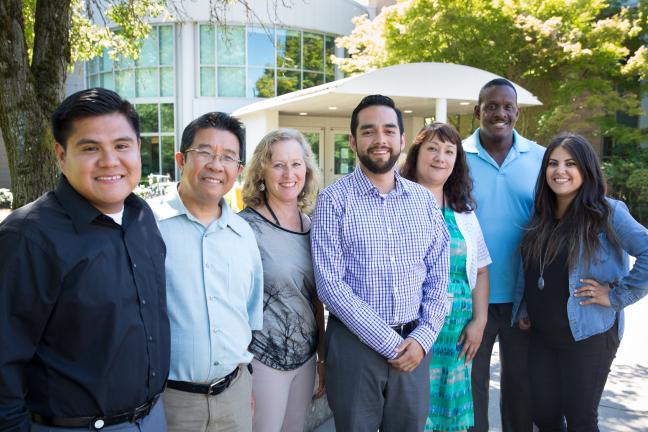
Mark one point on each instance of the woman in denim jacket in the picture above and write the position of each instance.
(575, 284)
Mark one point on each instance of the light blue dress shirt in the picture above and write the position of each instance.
(504, 196)
(214, 282)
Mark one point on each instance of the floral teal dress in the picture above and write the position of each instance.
(451, 405)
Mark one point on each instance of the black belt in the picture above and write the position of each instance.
(213, 389)
(402, 329)
(98, 422)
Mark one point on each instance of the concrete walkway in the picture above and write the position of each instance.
(624, 406)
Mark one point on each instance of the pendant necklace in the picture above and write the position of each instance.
(274, 216)
(543, 262)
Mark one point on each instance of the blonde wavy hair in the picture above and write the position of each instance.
(253, 175)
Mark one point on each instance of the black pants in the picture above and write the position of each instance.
(515, 397)
(365, 393)
(567, 381)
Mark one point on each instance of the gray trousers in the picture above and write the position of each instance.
(154, 422)
(515, 394)
(367, 394)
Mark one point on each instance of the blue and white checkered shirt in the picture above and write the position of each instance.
(381, 261)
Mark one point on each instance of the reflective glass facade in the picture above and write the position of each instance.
(240, 61)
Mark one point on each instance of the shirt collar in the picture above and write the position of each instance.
(364, 186)
(79, 209)
(472, 144)
(175, 207)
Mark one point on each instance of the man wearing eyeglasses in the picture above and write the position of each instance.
(214, 282)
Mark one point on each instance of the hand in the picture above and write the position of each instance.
(321, 387)
(471, 338)
(594, 293)
(524, 323)
(409, 355)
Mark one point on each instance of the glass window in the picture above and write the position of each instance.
(107, 80)
(168, 156)
(231, 82)
(330, 51)
(166, 45)
(313, 138)
(124, 63)
(260, 82)
(166, 117)
(231, 45)
(312, 79)
(167, 81)
(207, 45)
(106, 61)
(313, 51)
(149, 52)
(125, 83)
(288, 81)
(344, 161)
(289, 49)
(260, 47)
(145, 154)
(208, 81)
(148, 117)
(147, 82)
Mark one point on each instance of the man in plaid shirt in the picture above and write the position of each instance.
(381, 257)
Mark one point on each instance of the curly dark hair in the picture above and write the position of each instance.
(458, 187)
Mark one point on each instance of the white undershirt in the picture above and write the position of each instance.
(117, 217)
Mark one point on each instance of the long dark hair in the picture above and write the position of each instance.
(586, 216)
(458, 187)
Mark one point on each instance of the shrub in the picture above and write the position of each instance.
(6, 198)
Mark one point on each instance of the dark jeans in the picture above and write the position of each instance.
(567, 381)
(365, 393)
(515, 397)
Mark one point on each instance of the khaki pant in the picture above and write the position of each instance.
(230, 411)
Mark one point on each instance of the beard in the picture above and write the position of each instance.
(378, 167)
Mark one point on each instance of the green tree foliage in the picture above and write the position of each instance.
(582, 58)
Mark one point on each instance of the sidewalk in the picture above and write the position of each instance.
(624, 406)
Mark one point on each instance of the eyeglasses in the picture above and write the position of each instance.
(207, 157)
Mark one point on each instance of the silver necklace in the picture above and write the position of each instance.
(543, 262)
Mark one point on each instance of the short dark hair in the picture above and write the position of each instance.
(458, 187)
(90, 103)
(215, 120)
(495, 83)
(375, 100)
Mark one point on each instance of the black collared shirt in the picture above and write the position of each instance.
(83, 322)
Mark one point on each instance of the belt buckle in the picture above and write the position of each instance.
(215, 383)
(140, 409)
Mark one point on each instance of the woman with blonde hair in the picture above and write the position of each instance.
(280, 184)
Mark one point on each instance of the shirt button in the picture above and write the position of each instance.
(214, 331)
(216, 363)
(212, 298)
(143, 301)
(153, 374)
(388, 230)
(134, 265)
(392, 259)
(207, 265)
(151, 338)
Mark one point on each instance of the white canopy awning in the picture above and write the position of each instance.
(423, 88)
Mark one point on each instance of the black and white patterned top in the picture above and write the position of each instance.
(289, 335)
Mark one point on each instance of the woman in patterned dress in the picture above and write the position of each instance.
(280, 185)
(437, 161)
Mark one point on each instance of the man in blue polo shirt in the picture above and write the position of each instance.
(504, 167)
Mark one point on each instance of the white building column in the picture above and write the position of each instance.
(441, 106)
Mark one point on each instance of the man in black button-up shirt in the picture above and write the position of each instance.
(84, 333)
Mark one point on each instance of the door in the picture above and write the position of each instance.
(339, 158)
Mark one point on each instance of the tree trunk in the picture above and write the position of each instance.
(30, 93)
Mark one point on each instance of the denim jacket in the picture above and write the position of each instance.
(607, 266)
